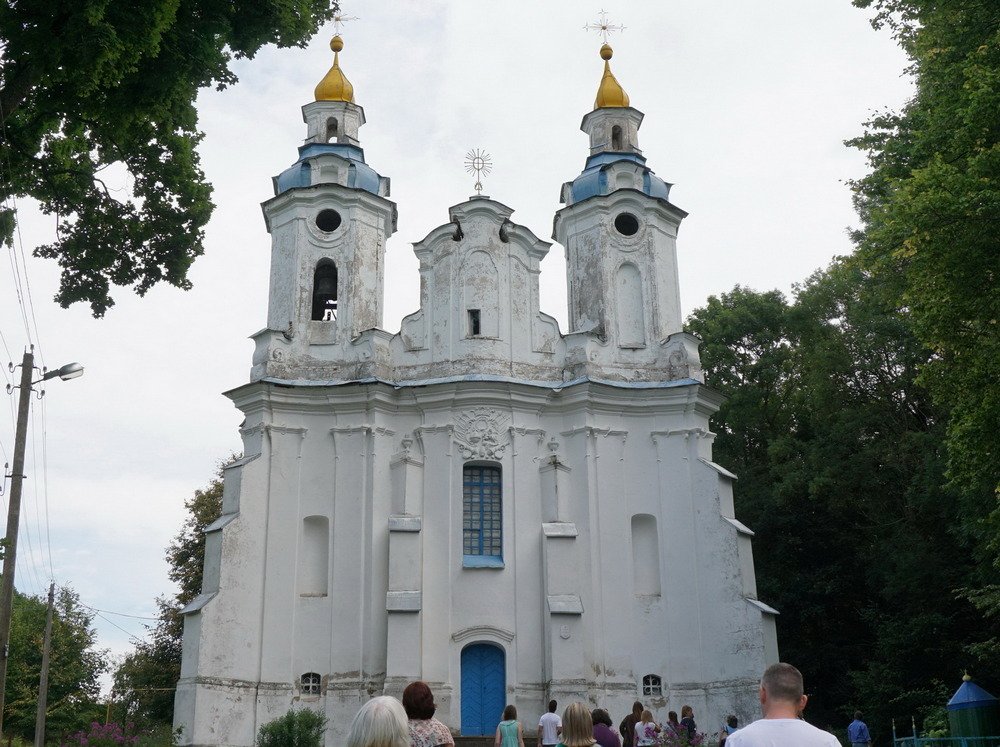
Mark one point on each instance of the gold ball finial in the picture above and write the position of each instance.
(966, 677)
(336, 43)
(606, 52)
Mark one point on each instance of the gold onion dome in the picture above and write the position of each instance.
(335, 86)
(610, 93)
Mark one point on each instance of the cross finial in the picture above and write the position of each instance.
(604, 27)
(339, 19)
(478, 162)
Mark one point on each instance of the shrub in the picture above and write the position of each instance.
(302, 728)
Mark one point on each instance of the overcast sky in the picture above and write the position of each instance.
(747, 104)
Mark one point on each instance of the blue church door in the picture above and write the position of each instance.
(484, 684)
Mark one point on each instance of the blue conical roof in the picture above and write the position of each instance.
(970, 695)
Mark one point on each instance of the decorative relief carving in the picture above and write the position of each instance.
(481, 433)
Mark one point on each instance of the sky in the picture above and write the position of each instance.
(747, 104)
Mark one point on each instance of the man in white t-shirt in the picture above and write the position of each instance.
(782, 700)
(549, 727)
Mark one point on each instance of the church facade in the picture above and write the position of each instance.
(505, 511)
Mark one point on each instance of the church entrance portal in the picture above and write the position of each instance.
(484, 685)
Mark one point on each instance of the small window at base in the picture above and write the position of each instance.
(311, 684)
(652, 685)
(475, 325)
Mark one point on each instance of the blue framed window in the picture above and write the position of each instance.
(482, 517)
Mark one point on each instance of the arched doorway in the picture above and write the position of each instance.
(484, 685)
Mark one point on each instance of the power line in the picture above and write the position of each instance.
(120, 614)
(110, 622)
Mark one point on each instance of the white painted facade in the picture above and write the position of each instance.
(340, 549)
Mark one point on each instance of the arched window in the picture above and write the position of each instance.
(311, 684)
(652, 685)
(616, 138)
(482, 539)
(324, 302)
(331, 129)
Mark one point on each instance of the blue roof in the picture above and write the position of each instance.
(360, 175)
(970, 695)
(593, 180)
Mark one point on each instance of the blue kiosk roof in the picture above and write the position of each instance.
(970, 695)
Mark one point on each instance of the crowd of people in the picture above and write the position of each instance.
(386, 722)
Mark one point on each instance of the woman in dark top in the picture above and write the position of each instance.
(627, 726)
(687, 721)
(603, 732)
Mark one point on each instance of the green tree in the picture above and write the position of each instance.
(74, 665)
(930, 209)
(840, 453)
(145, 680)
(90, 84)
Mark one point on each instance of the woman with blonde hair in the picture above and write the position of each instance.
(578, 726)
(381, 722)
(646, 730)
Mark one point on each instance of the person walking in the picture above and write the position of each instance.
(857, 732)
(509, 732)
(549, 727)
(782, 700)
(627, 727)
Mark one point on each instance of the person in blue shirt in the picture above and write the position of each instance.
(857, 732)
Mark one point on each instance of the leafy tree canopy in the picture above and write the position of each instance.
(840, 454)
(74, 665)
(90, 84)
(930, 210)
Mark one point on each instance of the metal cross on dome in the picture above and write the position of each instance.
(604, 27)
(339, 19)
(478, 162)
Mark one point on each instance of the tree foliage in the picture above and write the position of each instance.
(145, 680)
(90, 84)
(930, 211)
(74, 665)
(859, 542)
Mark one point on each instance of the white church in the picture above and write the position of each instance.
(508, 512)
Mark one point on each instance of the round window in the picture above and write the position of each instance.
(626, 224)
(328, 220)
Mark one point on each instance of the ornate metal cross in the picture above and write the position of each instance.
(478, 162)
(604, 27)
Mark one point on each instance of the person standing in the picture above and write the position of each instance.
(728, 728)
(425, 730)
(509, 732)
(857, 732)
(646, 730)
(578, 726)
(782, 701)
(687, 721)
(549, 727)
(604, 733)
(627, 726)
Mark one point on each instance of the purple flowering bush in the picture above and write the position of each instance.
(104, 735)
(669, 738)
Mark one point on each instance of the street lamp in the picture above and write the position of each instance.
(69, 371)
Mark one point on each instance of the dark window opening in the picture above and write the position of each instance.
(328, 220)
(475, 323)
(331, 130)
(627, 224)
(324, 301)
(652, 685)
(616, 138)
(481, 511)
(311, 683)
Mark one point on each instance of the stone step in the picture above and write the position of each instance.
(531, 741)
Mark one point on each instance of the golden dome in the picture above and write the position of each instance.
(609, 93)
(335, 86)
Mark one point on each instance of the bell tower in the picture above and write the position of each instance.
(329, 221)
(619, 230)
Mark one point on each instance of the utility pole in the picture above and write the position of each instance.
(14, 519)
(43, 681)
